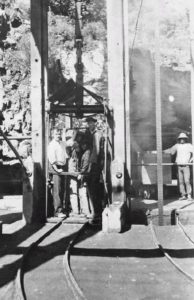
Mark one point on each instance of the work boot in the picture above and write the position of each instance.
(189, 197)
(60, 215)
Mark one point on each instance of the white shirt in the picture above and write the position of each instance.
(57, 153)
(183, 152)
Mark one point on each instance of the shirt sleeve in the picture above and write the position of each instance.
(85, 162)
(51, 154)
(191, 148)
(171, 150)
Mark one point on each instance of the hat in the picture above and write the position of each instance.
(182, 135)
(90, 119)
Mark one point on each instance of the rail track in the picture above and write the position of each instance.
(82, 268)
(24, 290)
(166, 252)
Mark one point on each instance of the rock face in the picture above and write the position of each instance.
(15, 63)
(14, 75)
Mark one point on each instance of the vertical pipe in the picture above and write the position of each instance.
(158, 113)
(126, 85)
(191, 15)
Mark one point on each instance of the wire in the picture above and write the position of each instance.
(136, 27)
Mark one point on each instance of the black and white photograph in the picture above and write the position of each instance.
(96, 149)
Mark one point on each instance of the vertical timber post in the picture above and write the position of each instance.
(191, 15)
(158, 114)
(118, 90)
(34, 203)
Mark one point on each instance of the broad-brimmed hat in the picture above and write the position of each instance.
(182, 135)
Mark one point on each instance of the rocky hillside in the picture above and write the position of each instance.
(175, 62)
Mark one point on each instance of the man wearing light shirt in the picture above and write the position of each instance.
(57, 157)
(184, 155)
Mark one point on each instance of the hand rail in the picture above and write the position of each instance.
(163, 164)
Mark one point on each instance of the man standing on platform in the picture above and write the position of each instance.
(93, 181)
(57, 157)
(184, 154)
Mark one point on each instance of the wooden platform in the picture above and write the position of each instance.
(184, 209)
(171, 207)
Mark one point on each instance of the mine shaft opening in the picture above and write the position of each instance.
(70, 118)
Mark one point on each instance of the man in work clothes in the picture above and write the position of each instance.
(57, 157)
(184, 154)
(84, 170)
(95, 172)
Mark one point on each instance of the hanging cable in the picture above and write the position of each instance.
(135, 33)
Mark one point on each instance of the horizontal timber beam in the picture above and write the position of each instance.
(98, 109)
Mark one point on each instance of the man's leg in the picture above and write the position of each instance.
(94, 194)
(187, 181)
(57, 192)
(74, 196)
(65, 194)
(84, 203)
(181, 182)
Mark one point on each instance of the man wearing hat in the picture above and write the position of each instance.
(95, 171)
(184, 153)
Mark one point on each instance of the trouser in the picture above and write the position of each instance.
(74, 199)
(59, 192)
(84, 201)
(184, 180)
(94, 191)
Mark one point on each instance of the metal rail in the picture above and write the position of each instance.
(181, 225)
(72, 283)
(20, 293)
(20, 289)
(184, 231)
(165, 253)
(163, 164)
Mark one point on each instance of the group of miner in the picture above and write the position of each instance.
(75, 165)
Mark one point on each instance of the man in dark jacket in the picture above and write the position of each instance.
(94, 187)
(83, 177)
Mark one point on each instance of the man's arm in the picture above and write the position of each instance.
(171, 150)
(191, 151)
(56, 168)
(86, 162)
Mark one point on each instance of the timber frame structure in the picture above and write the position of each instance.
(34, 202)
